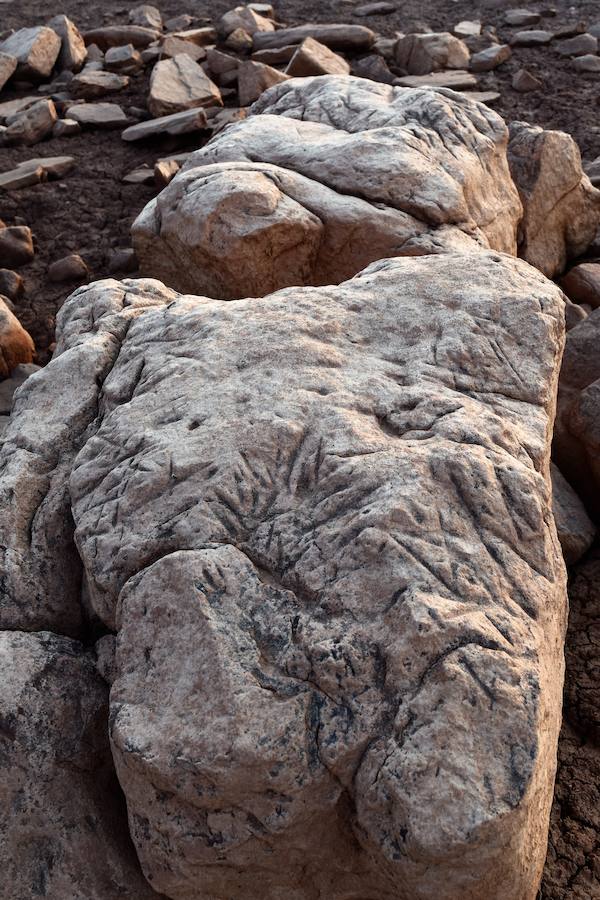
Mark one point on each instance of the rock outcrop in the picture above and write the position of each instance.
(561, 207)
(338, 501)
(327, 175)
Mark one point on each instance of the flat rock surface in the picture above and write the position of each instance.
(311, 524)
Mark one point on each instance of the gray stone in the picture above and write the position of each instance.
(20, 178)
(11, 284)
(313, 58)
(467, 29)
(420, 54)
(354, 38)
(531, 38)
(66, 128)
(8, 65)
(380, 8)
(520, 17)
(31, 125)
(125, 60)
(219, 63)
(73, 52)
(93, 85)
(490, 58)
(580, 45)
(173, 46)
(186, 122)
(239, 41)
(98, 115)
(245, 18)
(373, 67)
(147, 16)
(587, 63)
(53, 166)
(69, 268)
(35, 49)
(10, 107)
(9, 386)
(180, 84)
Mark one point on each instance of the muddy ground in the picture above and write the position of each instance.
(90, 212)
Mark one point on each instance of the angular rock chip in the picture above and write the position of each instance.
(16, 346)
(327, 175)
(490, 58)
(420, 54)
(562, 209)
(339, 499)
(179, 84)
(98, 115)
(91, 85)
(147, 16)
(179, 123)
(313, 58)
(247, 19)
(30, 125)
(35, 49)
(115, 35)
(63, 831)
(254, 78)
(73, 51)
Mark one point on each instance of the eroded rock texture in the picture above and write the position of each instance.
(327, 175)
(321, 524)
(63, 832)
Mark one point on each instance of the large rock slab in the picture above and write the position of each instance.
(419, 54)
(180, 84)
(63, 831)
(562, 209)
(355, 38)
(327, 175)
(35, 49)
(337, 500)
(73, 52)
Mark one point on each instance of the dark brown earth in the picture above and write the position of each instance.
(90, 212)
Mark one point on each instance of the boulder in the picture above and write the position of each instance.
(582, 284)
(355, 38)
(313, 58)
(419, 54)
(576, 531)
(561, 208)
(116, 35)
(327, 175)
(179, 84)
(31, 125)
(254, 78)
(63, 829)
(8, 65)
(125, 60)
(35, 49)
(73, 51)
(16, 346)
(338, 499)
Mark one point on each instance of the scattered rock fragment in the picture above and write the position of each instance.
(179, 23)
(8, 65)
(10, 107)
(521, 17)
(35, 49)
(32, 124)
(184, 122)
(73, 52)
(531, 38)
(69, 268)
(164, 172)
(381, 8)
(355, 38)
(20, 178)
(588, 63)
(373, 67)
(16, 246)
(116, 35)
(147, 16)
(254, 78)
(200, 36)
(219, 63)
(456, 80)
(141, 175)
(245, 18)
(582, 284)
(53, 166)
(16, 346)
(93, 85)
(98, 115)
(239, 41)
(576, 531)
(122, 260)
(313, 58)
(124, 60)
(172, 46)
(524, 81)
(467, 29)
(179, 84)
(66, 128)
(11, 284)
(580, 45)
(421, 54)
(490, 58)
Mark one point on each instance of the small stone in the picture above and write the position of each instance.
(520, 17)
(531, 38)
(179, 123)
(467, 29)
(278, 56)
(239, 41)
(66, 128)
(73, 52)
(98, 115)
(70, 268)
(582, 284)
(313, 58)
(141, 175)
(16, 345)
(8, 66)
(570, 30)
(11, 284)
(246, 18)
(375, 9)
(92, 85)
(53, 166)
(219, 63)
(147, 16)
(354, 38)
(524, 81)
(199, 36)
(94, 53)
(587, 63)
(125, 60)
(173, 46)
(487, 97)
(457, 79)
(122, 260)
(10, 107)
(490, 58)
(179, 84)
(178, 23)
(150, 55)
(580, 45)
(20, 178)
(373, 67)
(35, 49)
(254, 78)
(32, 125)
(16, 246)
(116, 35)
(421, 54)
(263, 9)
(164, 172)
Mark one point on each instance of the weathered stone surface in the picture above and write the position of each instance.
(199, 36)
(174, 46)
(16, 246)
(125, 59)
(337, 37)
(313, 58)
(98, 115)
(455, 79)
(35, 49)
(520, 17)
(53, 166)
(63, 830)
(147, 16)
(576, 435)
(179, 123)
(8, 65)
(115, 35)
(30, 125)
(247, 19)
(16, 345)
(20, 178)
(73, 51)
(179, 84)
(380, 8)
(334, 173)
(91, 85)
(587, 63)
(562, 209)
(313, 520)
(582, 284)
(490, 58)
(254, 78)
(420, 54)
(576, 531)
